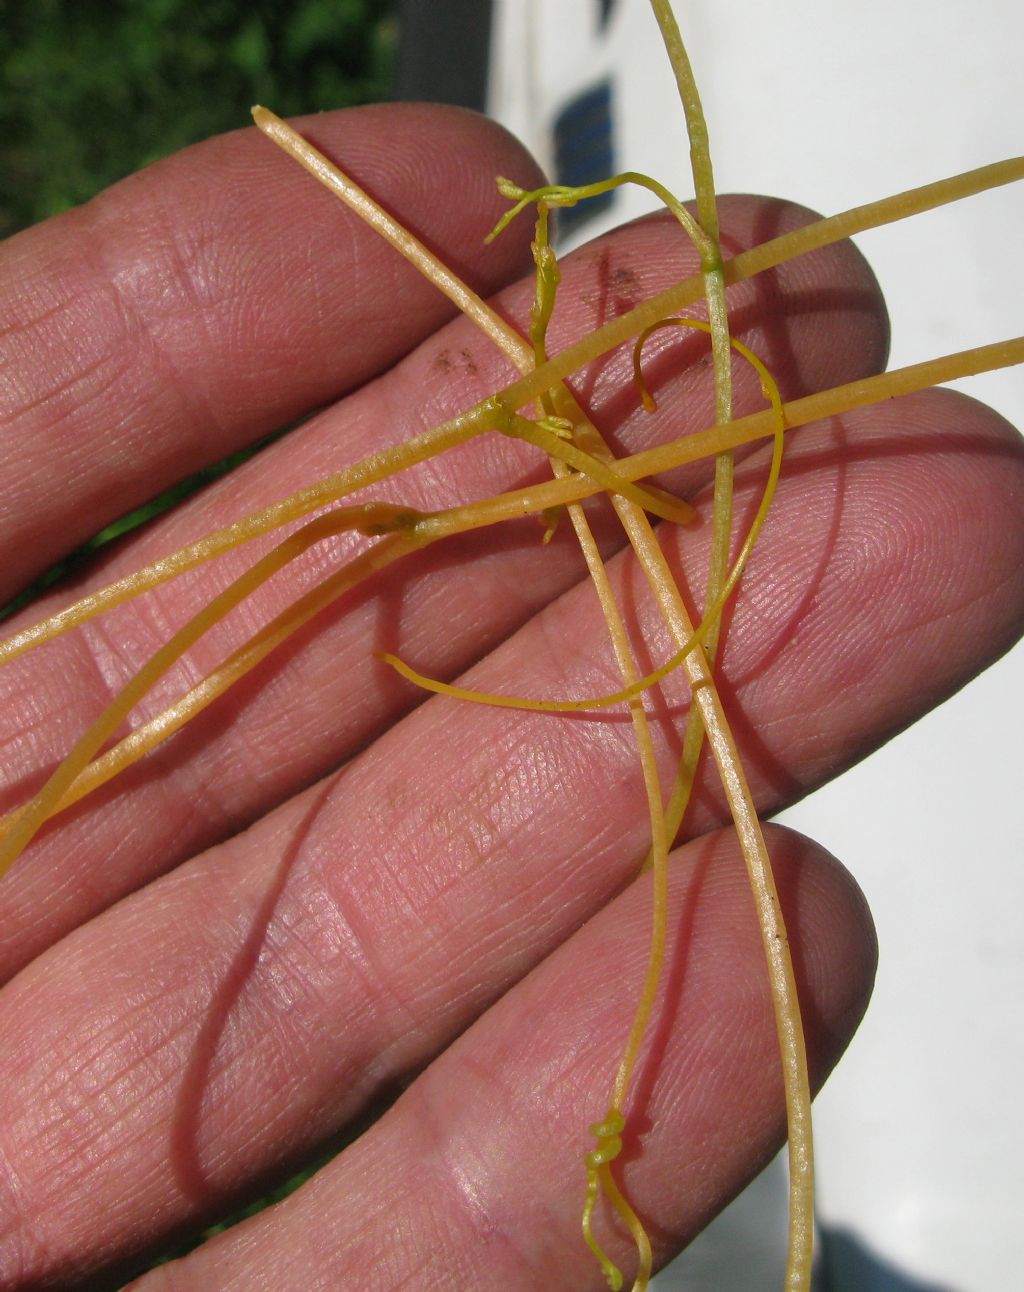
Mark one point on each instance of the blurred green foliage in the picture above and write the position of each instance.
(90, 90)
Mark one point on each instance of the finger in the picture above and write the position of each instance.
(819, 322)
(475, 1176)
(217, 296)
(505, 1111)
(888, 575)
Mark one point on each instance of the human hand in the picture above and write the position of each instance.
(297, 944)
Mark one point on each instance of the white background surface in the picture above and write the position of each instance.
(920, 1135)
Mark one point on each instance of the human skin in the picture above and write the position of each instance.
(329, 892)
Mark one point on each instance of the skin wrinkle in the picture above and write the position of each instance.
(26, 322)
(79, 1112)
(138, 327)
(179, 295)
(532, 773)
(343, 235)
(480, 1226)
(290, 964)
(52, 283)
(216, 1160)
(29, 743)
(368, 962)
(544, 764)
(65, 1170)
(197, 798)
(63, 390)
(72, 1087)
(692, 985)
(115, 647)
(496, 804)
(872, 563)
(401, 849)
(17, 1225)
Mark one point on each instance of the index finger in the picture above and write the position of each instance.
(204, 302)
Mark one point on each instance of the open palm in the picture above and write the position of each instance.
(329, 895)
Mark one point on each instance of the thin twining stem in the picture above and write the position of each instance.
(718, 315)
